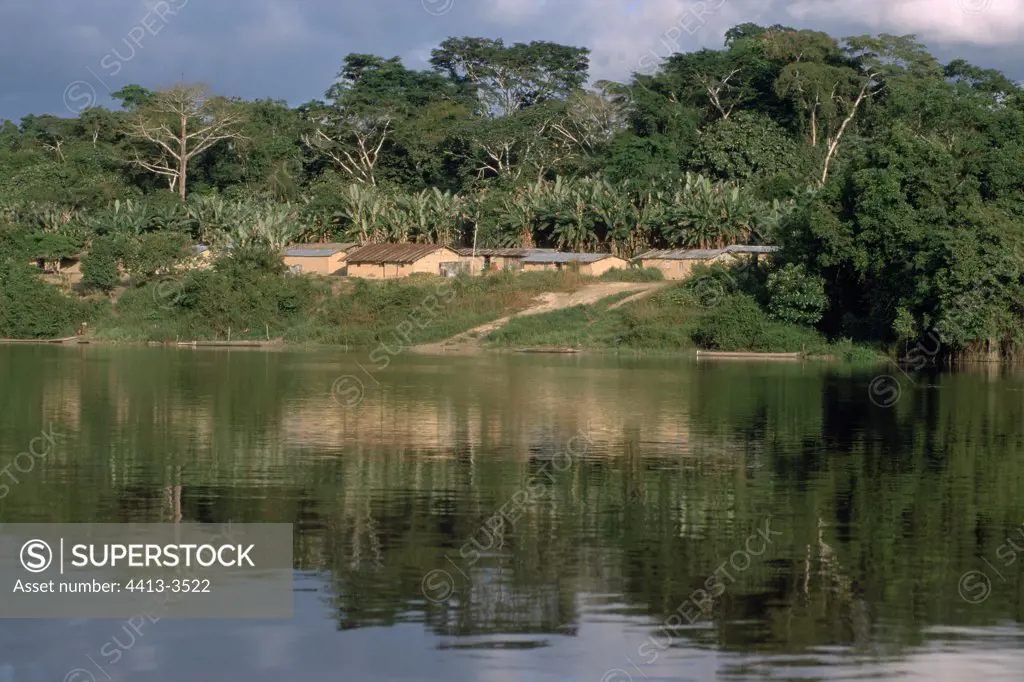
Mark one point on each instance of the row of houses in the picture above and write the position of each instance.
(390, 261)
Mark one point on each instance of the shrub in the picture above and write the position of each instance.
(633, 275)
(100, 266)
(152, 253)
(795, 296)
(737, 323)
(13, 244)
(53, 247)
(32, 309)
(250, 261)
(733, 325)
(247, 301)
(708, 285)
(218, 301)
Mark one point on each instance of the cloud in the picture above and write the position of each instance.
(276, 26)
(292, 50)
(980, 22)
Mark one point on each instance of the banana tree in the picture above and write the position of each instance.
(703, 214)
(520, 215)
(212, 216)
(647, 216)
(739, 211)
(169, 217)
(364, 209)
(9, 211)
(470, 210)
(253, 223)
(276, 226)
(319, 219)
(49, 218)
(569, 215)
(516, 226)
(615, 215)
(401, 216)
(445, 211)
(126, 217)
(765, 223)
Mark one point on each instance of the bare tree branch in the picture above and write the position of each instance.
(834, 140)
(56, 148)
(715, 88)
(358, 157)
(182, 122)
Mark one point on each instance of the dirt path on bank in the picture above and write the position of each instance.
(472, 340)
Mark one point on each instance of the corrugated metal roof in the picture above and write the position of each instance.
(314, 250)
(502, 253)
(559, 257)
(746, 248)
(681, 254)
(703, 254)
(392, 253)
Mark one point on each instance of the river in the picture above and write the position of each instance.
(519, 518)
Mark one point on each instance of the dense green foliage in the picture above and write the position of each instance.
(245, 295)
(796, 296)
(893, 180)
(739, 324)
(100, 266)
(31, 309)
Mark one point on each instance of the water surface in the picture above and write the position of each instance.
(626, 486)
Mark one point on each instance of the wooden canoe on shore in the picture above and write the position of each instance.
(228, 344)
(36, 342)
(547, 350)
(721, 355)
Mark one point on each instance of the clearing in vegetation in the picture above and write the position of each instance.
(547, 303)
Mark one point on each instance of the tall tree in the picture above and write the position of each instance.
(178, 125)
(133, 96)
(368, 103)
(507, 79)
(350, 139)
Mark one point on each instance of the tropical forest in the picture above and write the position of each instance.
(892, 183)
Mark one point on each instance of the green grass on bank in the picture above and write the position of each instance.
(579, 326)
(314, 310)
(674, 319)
(427, 309)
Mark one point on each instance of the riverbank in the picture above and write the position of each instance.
(439, 349)
(247, 300)
(250, 299)
(541, 312)
(347, 313)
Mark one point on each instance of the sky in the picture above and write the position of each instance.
(60, 56)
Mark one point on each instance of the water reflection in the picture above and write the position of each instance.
(879, 513)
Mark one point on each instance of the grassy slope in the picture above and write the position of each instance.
(426, 309)
(353, 313)
(670, 320)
